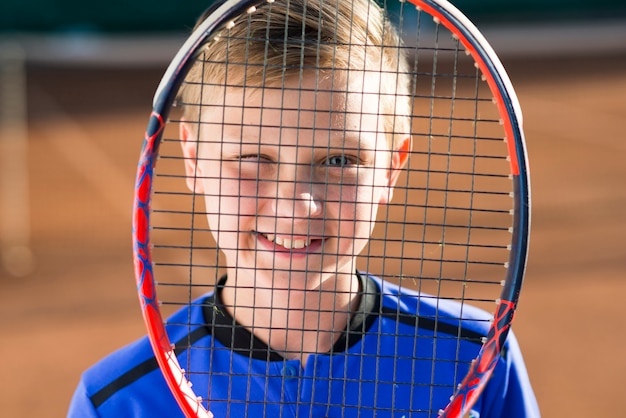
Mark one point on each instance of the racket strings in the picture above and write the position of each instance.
(446, 233)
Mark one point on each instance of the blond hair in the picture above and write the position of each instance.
(288, 38)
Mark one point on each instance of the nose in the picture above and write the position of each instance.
(296, 199)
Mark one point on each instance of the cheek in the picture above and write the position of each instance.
(373, 192)
(229, 202)
(356, 209)
(360, 200)
(225, 185)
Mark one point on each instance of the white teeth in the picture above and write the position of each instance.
(289, 243)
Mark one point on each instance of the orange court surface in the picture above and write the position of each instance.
(85, 127)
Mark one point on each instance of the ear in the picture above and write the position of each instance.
(189, 146)
(399, 158)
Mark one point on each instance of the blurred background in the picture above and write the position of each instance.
(76, 83)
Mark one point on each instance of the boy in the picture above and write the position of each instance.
(295, 146)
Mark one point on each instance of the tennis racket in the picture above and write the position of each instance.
(236, 139)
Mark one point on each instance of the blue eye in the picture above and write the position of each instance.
(339, 161)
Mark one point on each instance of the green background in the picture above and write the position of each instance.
(119, 16)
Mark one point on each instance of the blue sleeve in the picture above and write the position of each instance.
(509, 392)
(81, 406)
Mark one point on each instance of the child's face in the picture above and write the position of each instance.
(293, 178)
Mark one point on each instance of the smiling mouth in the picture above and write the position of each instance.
(288, 243)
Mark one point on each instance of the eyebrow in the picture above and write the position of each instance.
(352, 140)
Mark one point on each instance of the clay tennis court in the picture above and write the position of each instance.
(78, 304)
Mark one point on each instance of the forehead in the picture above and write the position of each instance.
(341, 101)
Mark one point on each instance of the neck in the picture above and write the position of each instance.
(295, 322)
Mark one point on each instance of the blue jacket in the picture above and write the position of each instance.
(390, 362)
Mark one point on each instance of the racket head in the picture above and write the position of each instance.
(443, 46)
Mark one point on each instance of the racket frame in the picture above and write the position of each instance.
(504, 96)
